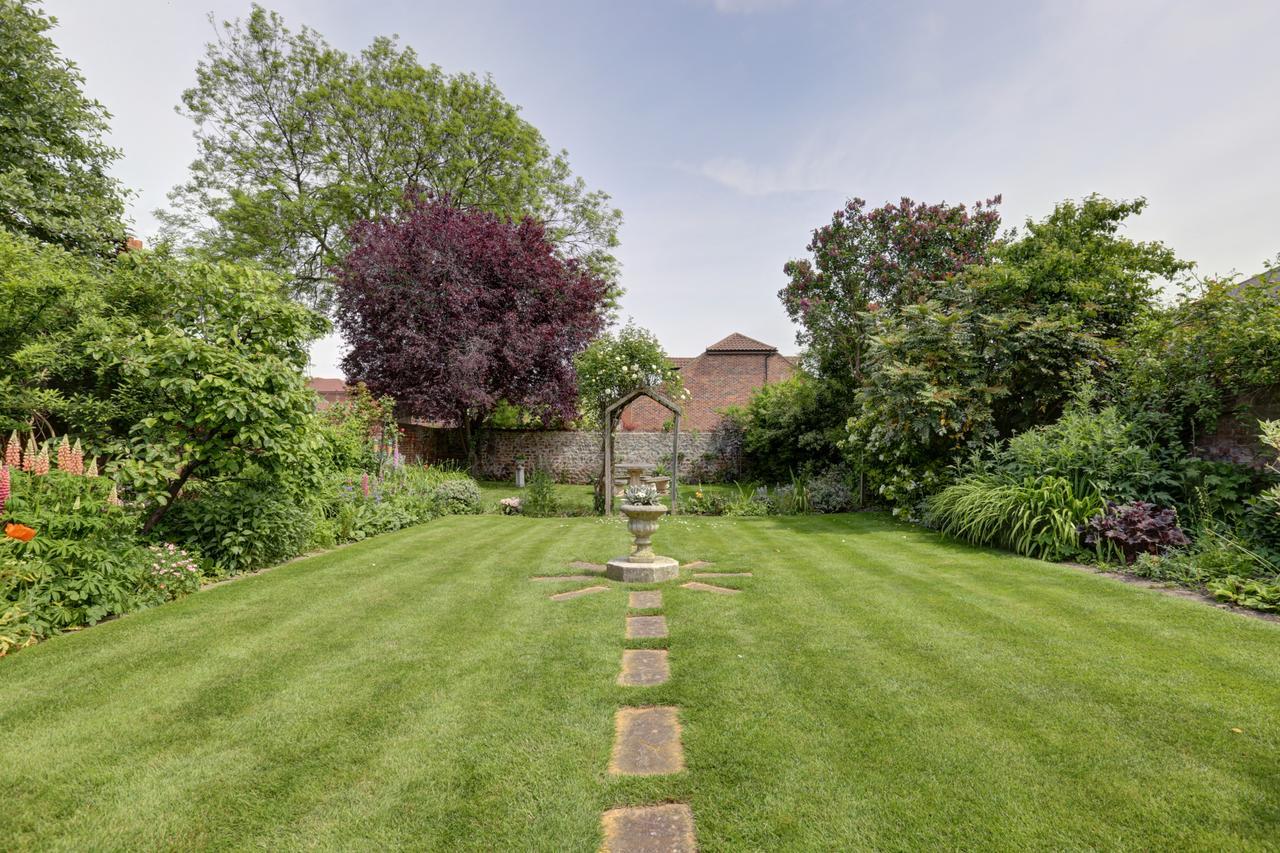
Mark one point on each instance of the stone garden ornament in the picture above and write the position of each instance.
(642, 508)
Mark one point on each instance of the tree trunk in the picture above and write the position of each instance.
(470, 427)
(174, 488)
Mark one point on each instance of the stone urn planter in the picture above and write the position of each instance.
(642, 565)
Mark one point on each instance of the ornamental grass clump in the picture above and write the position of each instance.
(1036, 517)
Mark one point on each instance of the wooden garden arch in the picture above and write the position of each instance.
(612, 414)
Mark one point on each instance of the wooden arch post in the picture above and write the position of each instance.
(611, 414)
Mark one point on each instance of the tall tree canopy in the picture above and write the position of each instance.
(454, 311)
(883, 258)
(298, 141)
(54, 184)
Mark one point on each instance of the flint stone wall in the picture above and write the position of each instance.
(572, 456)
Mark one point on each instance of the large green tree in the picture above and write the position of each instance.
(299, 140)
(1003, 346)
(54, 181)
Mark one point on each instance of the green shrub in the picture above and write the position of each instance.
(1094, 451)
(540, 496)
(1037, 517)
(458, 494)
(831, 492)
(242, 525)
(757, 503)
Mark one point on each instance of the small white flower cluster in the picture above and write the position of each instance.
(168, 561)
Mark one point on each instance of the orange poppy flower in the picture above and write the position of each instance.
(20, 532)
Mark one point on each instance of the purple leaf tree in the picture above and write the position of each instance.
(454, 311)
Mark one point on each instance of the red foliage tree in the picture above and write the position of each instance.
(454, 311)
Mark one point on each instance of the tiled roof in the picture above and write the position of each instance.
(740, 343)
(326, 386)
(679, 361)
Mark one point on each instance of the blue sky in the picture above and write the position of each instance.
(726, 130)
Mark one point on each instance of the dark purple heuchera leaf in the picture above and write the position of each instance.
(453, 311)
(1133, 529)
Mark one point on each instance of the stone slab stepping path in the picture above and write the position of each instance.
(646, 627)
(698, 564)
(649, 829)
(578, 593)
(647, 742)
(722, 574)
(646, 600)
(644, 668)
(706, 587)
(582, 566)
(564, 578)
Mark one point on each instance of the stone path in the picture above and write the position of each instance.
(649, 829)
(646, 627)
(647, 742)
(578, 593)
(644, 668)
(706, 587)
(646, 737)
(647, 600)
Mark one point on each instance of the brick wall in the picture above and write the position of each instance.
(575, 456)
(1236, 437)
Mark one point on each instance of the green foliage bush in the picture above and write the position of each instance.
(1037, 517)
(790, 427)
(1094, 451)
(705, 503)
(830, 492)
(540, 495)
(242, 525)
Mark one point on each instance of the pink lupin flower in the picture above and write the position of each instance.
(29, 454)
(13, 451)
(92, 470)
(4, 487)
(41, 466)
(64, 455)
(113, 497)
(77, 459)
(364, 484)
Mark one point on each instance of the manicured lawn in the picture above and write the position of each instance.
(873, 687)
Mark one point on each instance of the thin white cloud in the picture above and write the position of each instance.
(750, 7)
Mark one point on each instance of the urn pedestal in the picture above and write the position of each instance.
(642, 565)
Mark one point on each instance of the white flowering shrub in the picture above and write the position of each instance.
(615, 364)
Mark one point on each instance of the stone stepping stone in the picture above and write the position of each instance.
(698, 564)
(647, 742)
(644, 668)
(706, 587)
(563, 578)
(645, 600)
(578, 593)
(649, 829)
(646, 627)
(582, 566)
(722, 574)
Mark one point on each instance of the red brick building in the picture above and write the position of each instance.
(726, 374)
